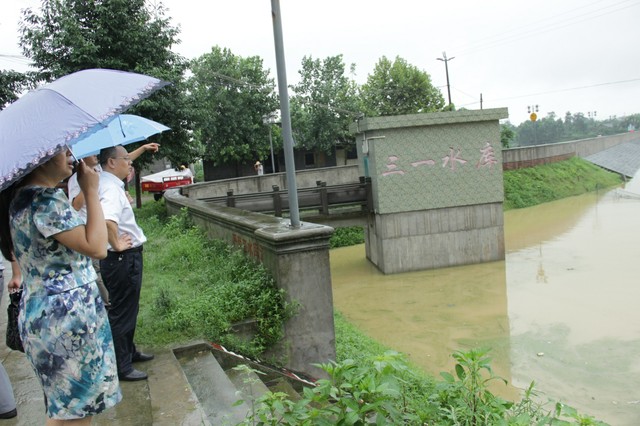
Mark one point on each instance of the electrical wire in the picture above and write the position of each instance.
(556, 91)
(500, 40)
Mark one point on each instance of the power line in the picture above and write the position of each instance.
(559, 90)
(19, 59)
(500, 39)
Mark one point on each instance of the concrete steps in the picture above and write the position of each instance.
(192, 385)
(216, 393)
(227, 385)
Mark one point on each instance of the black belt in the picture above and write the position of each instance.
(127, 251)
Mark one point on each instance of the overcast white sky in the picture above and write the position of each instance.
(563, 55)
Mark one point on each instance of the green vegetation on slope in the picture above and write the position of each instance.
(196, 288)
(541, 184)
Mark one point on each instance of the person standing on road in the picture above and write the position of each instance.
(8, 409)
(258, 168)
(122, 268)
(62, 321)
(77, 201)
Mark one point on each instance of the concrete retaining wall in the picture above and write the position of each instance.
(298, 259)
(529, 156)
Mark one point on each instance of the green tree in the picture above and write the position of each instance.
(12, 83)
(324, 105)
(65, 36)
(507, 134)
(230, 96)
(550, 129)
(399, 88)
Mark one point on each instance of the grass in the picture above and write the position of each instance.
(536, 185)
(195, 288)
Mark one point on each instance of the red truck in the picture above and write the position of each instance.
(157, 183)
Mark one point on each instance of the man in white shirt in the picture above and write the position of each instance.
(122, 268)
(77, 201)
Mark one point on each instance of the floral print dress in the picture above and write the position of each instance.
(63, 322)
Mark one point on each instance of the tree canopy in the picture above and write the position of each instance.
(399, 88)
(65, 36)
(12, 83)
(324, 104)
(229, 96)
(552, 129)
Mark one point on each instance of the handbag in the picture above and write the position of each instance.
(13, 335)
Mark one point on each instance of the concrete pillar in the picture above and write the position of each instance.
(297, 258)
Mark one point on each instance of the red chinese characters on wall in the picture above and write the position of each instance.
(451, 161)
(487, 157)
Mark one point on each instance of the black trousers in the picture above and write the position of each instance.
(122, 275)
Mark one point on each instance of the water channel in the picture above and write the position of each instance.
(563, 309)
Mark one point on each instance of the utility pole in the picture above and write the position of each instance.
(446, 69)
(285, 115)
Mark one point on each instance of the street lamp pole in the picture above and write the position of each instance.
(533, 115)
(446, 70)
(285, 116)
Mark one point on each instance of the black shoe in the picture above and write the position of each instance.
(9, 414)
(141, 357)
(133, 376)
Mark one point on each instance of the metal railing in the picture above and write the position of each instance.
(322, 198)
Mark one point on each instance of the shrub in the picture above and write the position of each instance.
(379, 392)
(197, 288)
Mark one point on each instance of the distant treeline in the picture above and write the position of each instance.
(552, 129)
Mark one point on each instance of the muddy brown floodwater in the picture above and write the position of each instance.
(563, 309)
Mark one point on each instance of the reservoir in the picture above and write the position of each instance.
(563, 309)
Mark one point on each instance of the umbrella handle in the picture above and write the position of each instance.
(75, 160)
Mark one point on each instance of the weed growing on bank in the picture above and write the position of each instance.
(383, 390)
(347, 236)
(536, 185)
(196, 288)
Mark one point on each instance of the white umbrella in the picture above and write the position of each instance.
(42, 122)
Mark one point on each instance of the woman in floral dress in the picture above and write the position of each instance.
(63, 322)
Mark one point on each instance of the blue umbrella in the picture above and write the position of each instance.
(122, 130)
(46, 120)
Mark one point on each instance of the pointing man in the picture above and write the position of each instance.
(122, 268)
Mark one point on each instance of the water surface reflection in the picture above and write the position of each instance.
(562, 309)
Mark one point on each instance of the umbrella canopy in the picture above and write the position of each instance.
(42, 122)
(122, 130)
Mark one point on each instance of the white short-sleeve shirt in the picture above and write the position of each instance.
(116, 207)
